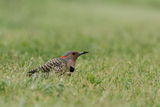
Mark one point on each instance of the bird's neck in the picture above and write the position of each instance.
(63, 57)
(71, 63)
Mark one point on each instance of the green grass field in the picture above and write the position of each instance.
(122, 68)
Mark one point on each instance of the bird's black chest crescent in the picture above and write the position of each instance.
(71, 69)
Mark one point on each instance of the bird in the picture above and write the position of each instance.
(62, 64)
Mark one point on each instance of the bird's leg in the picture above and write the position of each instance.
(47, 75)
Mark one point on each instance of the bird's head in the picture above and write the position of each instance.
(71, 58)
(73, 55)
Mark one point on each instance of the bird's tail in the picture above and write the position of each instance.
(30, 73)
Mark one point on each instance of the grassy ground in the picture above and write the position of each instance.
(122, 69)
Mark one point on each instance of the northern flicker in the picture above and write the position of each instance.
(62, 64)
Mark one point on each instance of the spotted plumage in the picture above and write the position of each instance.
(62, 64)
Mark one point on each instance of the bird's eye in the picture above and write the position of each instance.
(73, 53)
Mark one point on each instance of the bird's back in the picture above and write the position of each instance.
(55, 65)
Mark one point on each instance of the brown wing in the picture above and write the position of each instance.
(56, 65)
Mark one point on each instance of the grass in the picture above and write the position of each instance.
(122, 68)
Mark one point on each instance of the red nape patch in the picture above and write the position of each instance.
(63, 56)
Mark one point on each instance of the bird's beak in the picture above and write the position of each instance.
(81, 53)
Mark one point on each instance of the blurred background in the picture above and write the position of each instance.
(51, 27)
